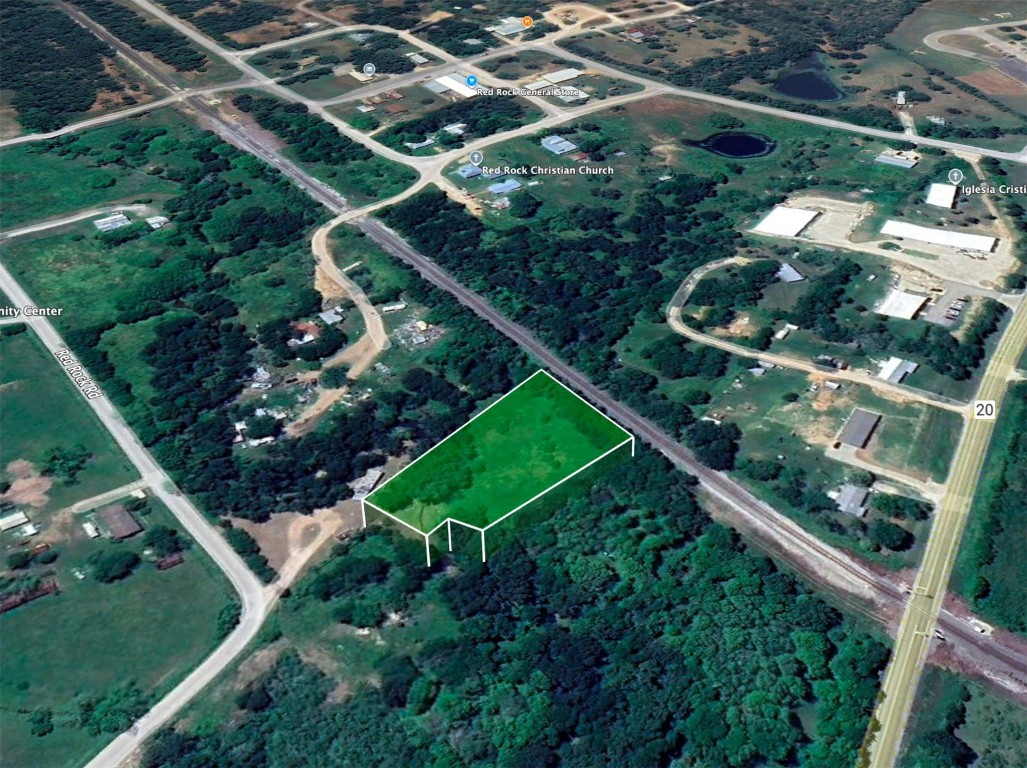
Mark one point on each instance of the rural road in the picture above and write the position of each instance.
(1013, 64)
(323, 254)
(784, 114)
(51, 223)
(121, 114)
(920, 618)
(252, 593)
(806, 553)
(897, 391)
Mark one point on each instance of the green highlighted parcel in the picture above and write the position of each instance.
(523, 445)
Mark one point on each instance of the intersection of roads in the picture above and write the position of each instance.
(925, 615)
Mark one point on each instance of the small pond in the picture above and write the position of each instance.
(734, 144)
(807, 81)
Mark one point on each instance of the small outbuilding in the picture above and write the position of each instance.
(789, 274)
(859, 428)
(852, 500)
(502, 187)
(119, 522)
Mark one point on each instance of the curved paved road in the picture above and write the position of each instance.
(858, 377)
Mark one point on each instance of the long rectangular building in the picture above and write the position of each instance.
(785, 221)
(939, 236)
(452, 84)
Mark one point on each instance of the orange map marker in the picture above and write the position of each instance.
(526, 21)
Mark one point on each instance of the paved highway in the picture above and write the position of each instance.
(820, 562)
(920, 618)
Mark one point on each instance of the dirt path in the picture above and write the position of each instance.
(307, 535)
(325, 260)
(929, 490)
(307, 420)
(332, 283)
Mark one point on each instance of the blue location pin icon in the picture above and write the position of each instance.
(471, 81)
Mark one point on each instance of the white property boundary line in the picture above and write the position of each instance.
(364, 503)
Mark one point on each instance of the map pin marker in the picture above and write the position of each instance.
(369, 69)
(476, 158)
(955, 176)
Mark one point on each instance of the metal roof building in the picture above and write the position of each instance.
(558, 145)
(502, 187)
(468, 171)
(450, 83)
(13, 521)
(898, 162)
(119, 522)
(114, 221)
(785, 221)
(901, 304)
(789, 274)
(895, 369)
(859, 428)
(939, 236)
(942, 195)
(562, 75)
(851, 499)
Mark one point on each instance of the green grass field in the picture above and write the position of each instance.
(531, 439)
(39, 180)
(92, 639)
(40, 410)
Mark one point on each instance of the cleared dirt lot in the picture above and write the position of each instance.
(839, 218)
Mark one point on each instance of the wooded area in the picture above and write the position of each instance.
(220, 18)
(616, 627)
(166, 44)
(55, 68)
(353, 167)
(991, 568)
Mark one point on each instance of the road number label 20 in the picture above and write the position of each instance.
(984, 409)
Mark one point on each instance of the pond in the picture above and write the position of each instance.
(807, 81)
(733, 144)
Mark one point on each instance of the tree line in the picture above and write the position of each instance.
(163, 42)
(54, 67)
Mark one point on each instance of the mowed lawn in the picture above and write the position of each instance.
(40, 410)
(526, 442)
(91, 639)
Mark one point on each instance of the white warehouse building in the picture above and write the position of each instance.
(983, 243)
(785, 221)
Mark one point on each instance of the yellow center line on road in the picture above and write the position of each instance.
(918, 622)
